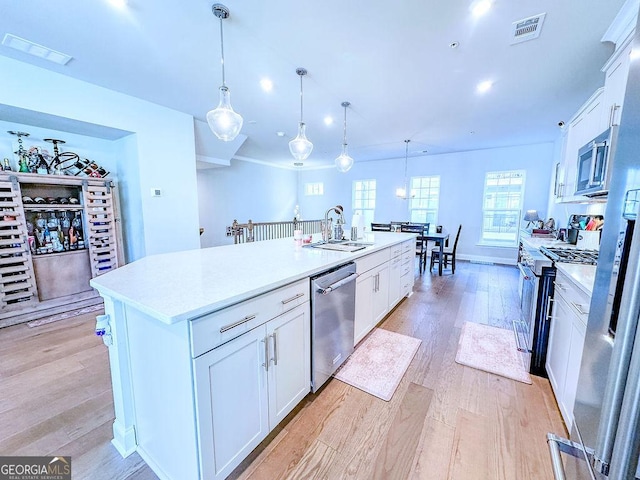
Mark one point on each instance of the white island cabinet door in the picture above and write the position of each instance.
(381, 294)
(395, 286)
(558, 348)
(365, 286)
(231, 400)
(289, 362)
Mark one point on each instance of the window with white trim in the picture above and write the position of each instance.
(316, 188)
(501, 207)
(364, 200)
(423, 206)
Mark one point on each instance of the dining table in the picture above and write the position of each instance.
(439, 238)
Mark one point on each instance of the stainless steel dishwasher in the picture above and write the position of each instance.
(333, 308)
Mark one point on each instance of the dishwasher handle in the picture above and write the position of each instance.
(338, 284)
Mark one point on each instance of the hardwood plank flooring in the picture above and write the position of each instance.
(445, 421)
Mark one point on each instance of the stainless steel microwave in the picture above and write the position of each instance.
(594, 160)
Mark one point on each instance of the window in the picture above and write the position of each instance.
(423, 207)
(501, 207)
(364, 200)
(316, 188)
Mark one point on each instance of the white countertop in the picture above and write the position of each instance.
(178, 286)
(583, 276)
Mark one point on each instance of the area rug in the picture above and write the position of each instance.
(379, 362)
(492, 350)
(65, 315)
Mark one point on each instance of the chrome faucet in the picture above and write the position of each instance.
(326, 231)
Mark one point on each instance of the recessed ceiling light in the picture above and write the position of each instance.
(266, 84)
(454, 44)
(328, 120)
(118, 3)
(480, 7)
(280, 134)
(484, 87)
(40, 51)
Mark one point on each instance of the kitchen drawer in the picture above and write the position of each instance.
(406, 268)
(372, 260)
(408, 246)
(396, 250)
(406, 284)
(211, 330)
(407, 257)
(575, 298)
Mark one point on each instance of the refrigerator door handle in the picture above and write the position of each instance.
(558, 444)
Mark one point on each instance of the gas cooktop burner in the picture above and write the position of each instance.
(571, 255)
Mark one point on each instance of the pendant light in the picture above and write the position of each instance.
(223, 121)
(300, 147)
(403, 191)
(344, 162)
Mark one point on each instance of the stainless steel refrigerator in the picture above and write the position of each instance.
(605, 441)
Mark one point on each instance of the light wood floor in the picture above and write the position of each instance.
(445, 421)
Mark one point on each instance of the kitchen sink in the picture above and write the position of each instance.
(341, 246)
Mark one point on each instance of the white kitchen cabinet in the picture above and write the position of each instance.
(372, 300)
(582, 128)
(380, 295)
(372, 291)
(616, 71)
(290, 362)
(407, 277)
(246, 386)
(566, 341)
(395, 287)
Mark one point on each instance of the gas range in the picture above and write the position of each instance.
(571, 255)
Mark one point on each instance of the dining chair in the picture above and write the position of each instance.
(448, 254)
(425, 226)
(421, 249)
(395, 226)
(380, 227)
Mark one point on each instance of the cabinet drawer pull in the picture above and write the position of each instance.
(275, 348)
(266, 354)
(561, 286)
(295, 297)
(239, 322)
(579, 308)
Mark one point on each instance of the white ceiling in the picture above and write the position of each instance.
(391, 60)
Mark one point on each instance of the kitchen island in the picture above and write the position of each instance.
(194, 382)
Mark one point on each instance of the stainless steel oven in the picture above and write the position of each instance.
(531, 330)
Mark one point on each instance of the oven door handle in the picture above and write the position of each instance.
(526, 272)
(519, 346)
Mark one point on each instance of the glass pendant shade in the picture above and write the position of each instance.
(343, 161)
(300, 147)
(223, 121)
(403, 192)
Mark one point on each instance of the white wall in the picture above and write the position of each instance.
(244, 191)
(163, 143)
(462, 186)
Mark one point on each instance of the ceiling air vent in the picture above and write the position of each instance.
(527, 28)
